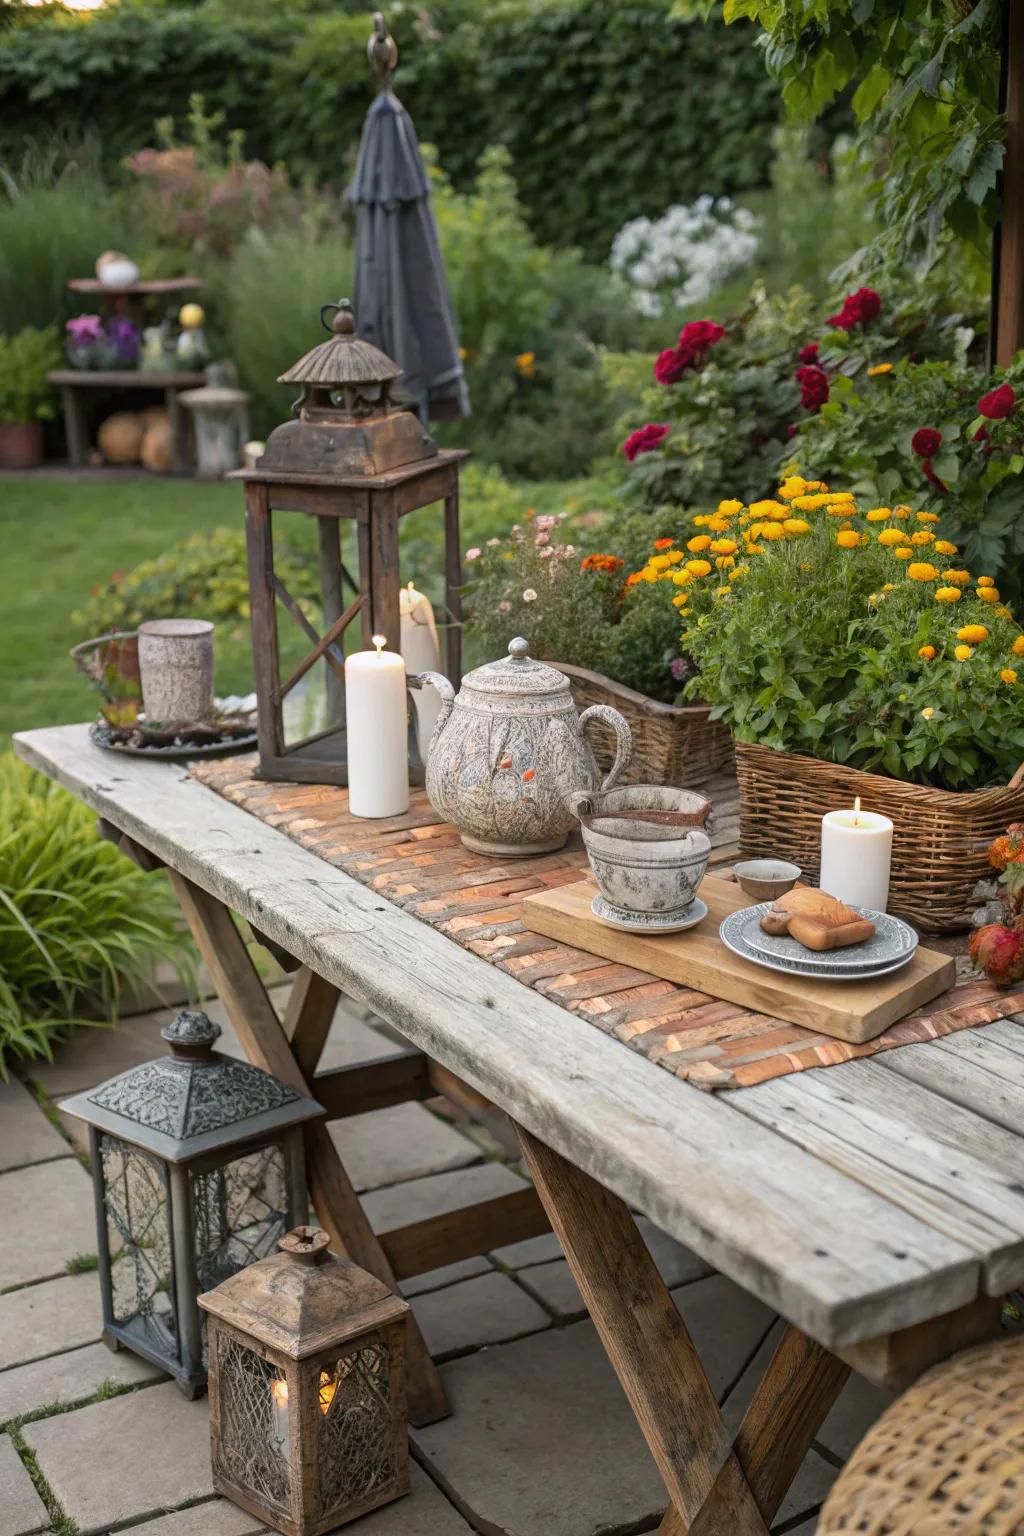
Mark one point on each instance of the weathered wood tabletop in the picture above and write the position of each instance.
(859, 1201)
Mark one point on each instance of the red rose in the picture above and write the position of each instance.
(858, 308)
(926, 442)
(645, 439)
(701, 334)
(813, 383)
(998, 403)
(809, 354)
(672, 364)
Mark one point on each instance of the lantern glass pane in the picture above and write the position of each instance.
(254, 1424)
(356, 1455)
(137, 1207)
(241, 1209)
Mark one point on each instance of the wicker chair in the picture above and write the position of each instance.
(947, 1457)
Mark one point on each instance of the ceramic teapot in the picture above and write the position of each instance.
(507, 754)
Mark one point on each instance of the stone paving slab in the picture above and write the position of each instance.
(215, 1517)
(678, 1265)
(856, 1408)
(21, 1509)
(159, 1443)
(46, 1217)
(47, 1319)
(486, 1310)
(433, 1196)
(389, 1146)
(69, 1378)
(448, 1274)
(26, 1136)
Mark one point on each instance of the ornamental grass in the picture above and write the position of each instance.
(853, 634)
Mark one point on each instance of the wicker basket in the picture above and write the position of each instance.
(940, 835)
(672, 744)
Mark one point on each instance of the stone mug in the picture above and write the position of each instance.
(176, 664)
(651, 867)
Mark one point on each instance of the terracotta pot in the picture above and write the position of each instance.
(21, 444)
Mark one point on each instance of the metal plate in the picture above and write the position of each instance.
(733, 937)
(891, 941)
(100, 734)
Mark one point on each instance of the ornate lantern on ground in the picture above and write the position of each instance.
(307, 1388)
(350, 454)
(198, 1169)
(220, 422)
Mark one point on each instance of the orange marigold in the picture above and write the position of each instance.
(663, 543)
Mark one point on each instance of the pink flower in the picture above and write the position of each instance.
(998, 403)
(858, 308)
(85, 328)
(542, 538)
(545, 521)
(504, 607)
(701, 334)
(474, 553)
(646, 439)
(546, 553)
(926, 442)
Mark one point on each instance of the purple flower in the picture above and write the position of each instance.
(124, 338)
(85, 328)
(680, 668)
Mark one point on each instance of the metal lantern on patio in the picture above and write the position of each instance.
(307, 1388)
(198, 1169)
(349, 455)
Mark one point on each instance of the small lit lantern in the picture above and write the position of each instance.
(350, 453)
(220, 421)
(307, 1388)
(198, 1169)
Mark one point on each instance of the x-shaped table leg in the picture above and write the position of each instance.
(716, 1487)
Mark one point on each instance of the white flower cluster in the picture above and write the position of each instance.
(681, 258)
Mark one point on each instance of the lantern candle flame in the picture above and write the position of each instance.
(327, 1391)
(279, 1402)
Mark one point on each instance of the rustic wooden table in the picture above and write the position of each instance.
(74, 383)
(878, 1205)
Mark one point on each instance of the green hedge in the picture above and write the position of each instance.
(610, 109)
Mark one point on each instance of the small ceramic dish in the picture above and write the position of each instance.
(766, 879)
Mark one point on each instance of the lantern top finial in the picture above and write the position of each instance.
(306, 1245)
(344, 359)
(190, 1032)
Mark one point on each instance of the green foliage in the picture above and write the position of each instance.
(925, 78)
(78, 922)
(25, 360)
(596, 98)
(205, 574)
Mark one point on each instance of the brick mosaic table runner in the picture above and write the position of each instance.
(417, 861)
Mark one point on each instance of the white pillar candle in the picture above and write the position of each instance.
(421, 653)
(279, 1415)
(856, 852)
(376, 714)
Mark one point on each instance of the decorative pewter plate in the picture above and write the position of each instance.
(892, 940)
(815, 967)
(655, 922)
(173, 752)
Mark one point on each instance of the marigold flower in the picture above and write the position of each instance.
(892, 536)
(879, 368)
(1003, 611)
(847, 538)
(927, 712)
(986, 581)
(796, 525)
(725, 546)
(719, 524)
(963, 653)
(725, 562)
(947, 594)
(767, 508)
(663, 543)
(922, 537)
(975, 633)
(944, 547)
(927, 652)
(1007, 675)
(879, 514)
(904, 552)
(699, 567)
(680, 600)
(634, 579)
(925, 517)
(658, 562)
(698, 542)
(903, 512)
(988, 594)
(772, 531)
(701, 520)
(730, 508)
(958, 578)
(1018, 646)
(737, 570)
(721, 591)
(602, 563)
(525, 364)
(682, 578)
(922, 570)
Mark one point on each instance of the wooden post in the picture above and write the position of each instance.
(385, 607)
(328, 530)
(75, 428)
(453, 585)
(263, 611)
(1008, 263)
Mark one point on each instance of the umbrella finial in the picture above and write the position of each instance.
(382, 50)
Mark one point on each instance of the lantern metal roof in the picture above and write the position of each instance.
(193, 1101)
(343, 358)
(302, 1299)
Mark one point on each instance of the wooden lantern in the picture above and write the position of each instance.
(349, 453)
(307, 1388)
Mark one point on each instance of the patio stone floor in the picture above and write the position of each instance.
(541, 1441)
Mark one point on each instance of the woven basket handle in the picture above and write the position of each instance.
(1018, 779)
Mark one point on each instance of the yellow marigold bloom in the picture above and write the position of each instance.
(729, 508)
(890, 586)
(975, 633)
(680, 600)
(699, 567)
(927, 712)
(927, 517)
(892, 536)
(796, 525)
(1018, 646)
(878, 514)
(902, 511)
(698, 542)
(958, 578)
(988, 594)
(944, 547)
(846, 538)
(701, 520)
(922, 570)
(922, 537)
(986, 581)
(525, 364)
(1008, 675)
(963, 653)
(752, 549)
(927, 652)
(725, 546)
(674, 556)
(1004, 612)
(724, 562)
(807, 503)
(947, 594)
(904, 552)
(879, 368)
(737, 570)
(768, 508)
(719, 524)
(772, 531)
(682, 578)
(648, 575)
(658, 562)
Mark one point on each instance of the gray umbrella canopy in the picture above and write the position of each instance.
(401, 297)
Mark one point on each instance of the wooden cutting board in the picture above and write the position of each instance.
(848, 1010)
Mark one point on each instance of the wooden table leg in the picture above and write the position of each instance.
(178, 419)
(263, 1037)
(716, 1488)
(75, 429)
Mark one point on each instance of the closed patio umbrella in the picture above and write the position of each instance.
(401, 298)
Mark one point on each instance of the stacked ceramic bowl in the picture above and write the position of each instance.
(890, 948)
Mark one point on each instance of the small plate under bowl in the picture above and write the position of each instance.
(654, 922)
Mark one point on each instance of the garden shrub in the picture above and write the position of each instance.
(79, 924)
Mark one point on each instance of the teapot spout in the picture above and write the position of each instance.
(447, 692)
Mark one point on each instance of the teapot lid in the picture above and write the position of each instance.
(518, 674)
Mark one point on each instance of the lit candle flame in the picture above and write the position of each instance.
(279, 1392)
(856, 810)
(380, 641)
(327, 1391)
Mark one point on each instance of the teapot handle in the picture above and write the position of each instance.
(443, 687)
(623, 738)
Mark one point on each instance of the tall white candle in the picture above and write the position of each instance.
(376, 714)
(421, 653)
(856, 852)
